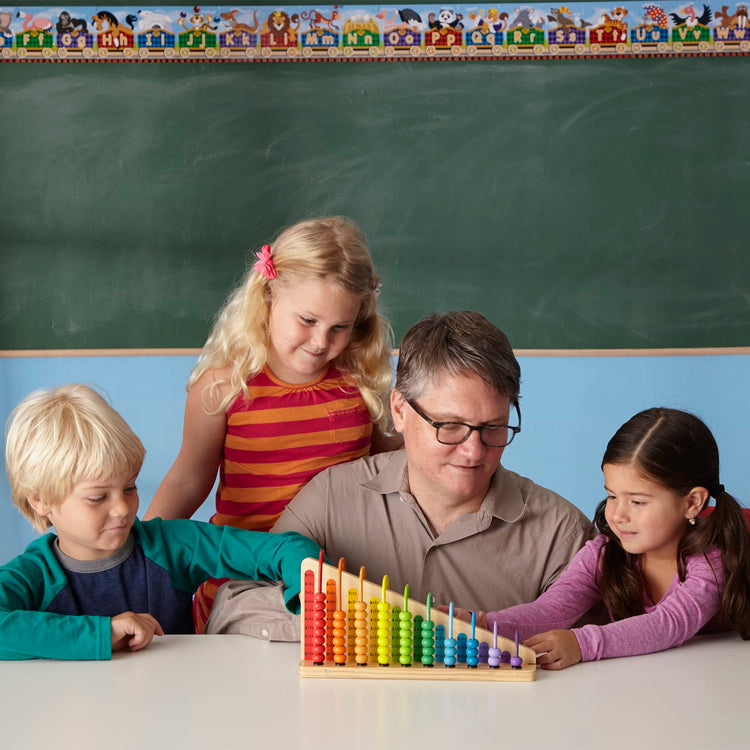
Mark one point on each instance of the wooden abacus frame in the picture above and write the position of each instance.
(371, 592)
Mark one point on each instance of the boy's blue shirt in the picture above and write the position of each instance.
(47, 611)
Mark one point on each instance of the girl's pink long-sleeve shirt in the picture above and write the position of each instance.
(687, 607)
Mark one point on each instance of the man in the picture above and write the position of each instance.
(442, 514)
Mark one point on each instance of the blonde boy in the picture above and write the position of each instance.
(107, 581)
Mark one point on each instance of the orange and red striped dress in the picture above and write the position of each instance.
(277, 442)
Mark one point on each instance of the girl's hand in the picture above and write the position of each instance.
(557, 649)
(133, 630)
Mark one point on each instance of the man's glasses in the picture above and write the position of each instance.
(454, 433)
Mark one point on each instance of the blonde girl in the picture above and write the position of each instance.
(292, 379)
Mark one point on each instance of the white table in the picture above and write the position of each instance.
(226, 692)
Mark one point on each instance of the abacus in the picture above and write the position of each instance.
(353, 628)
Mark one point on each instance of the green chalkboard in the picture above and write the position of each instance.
(578, 204)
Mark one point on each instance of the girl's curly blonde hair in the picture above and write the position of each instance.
(333, 249)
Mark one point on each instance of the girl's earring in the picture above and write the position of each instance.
(691, 521)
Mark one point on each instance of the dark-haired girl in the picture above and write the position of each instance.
(664, 570)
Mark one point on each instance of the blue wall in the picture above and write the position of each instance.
(571, 406)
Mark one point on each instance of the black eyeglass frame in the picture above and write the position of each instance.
(514, 430)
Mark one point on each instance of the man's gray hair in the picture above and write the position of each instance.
(457, 343)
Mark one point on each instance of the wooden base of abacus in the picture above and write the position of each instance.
(395, 671)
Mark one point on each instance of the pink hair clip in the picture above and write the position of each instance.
(264, 265)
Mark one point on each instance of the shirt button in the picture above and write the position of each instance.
(264, 633)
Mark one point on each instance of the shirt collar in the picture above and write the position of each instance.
(95, 566)
(392, 476)
(504, 496)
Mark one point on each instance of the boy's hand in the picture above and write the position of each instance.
(134, 631)
(558, 649)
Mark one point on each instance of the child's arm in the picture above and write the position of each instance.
(28, 583)
(544, 624)
(570, 597)
(26, 634)
(192, 475)
(42, 635)
(683, 611)
(193, 551)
